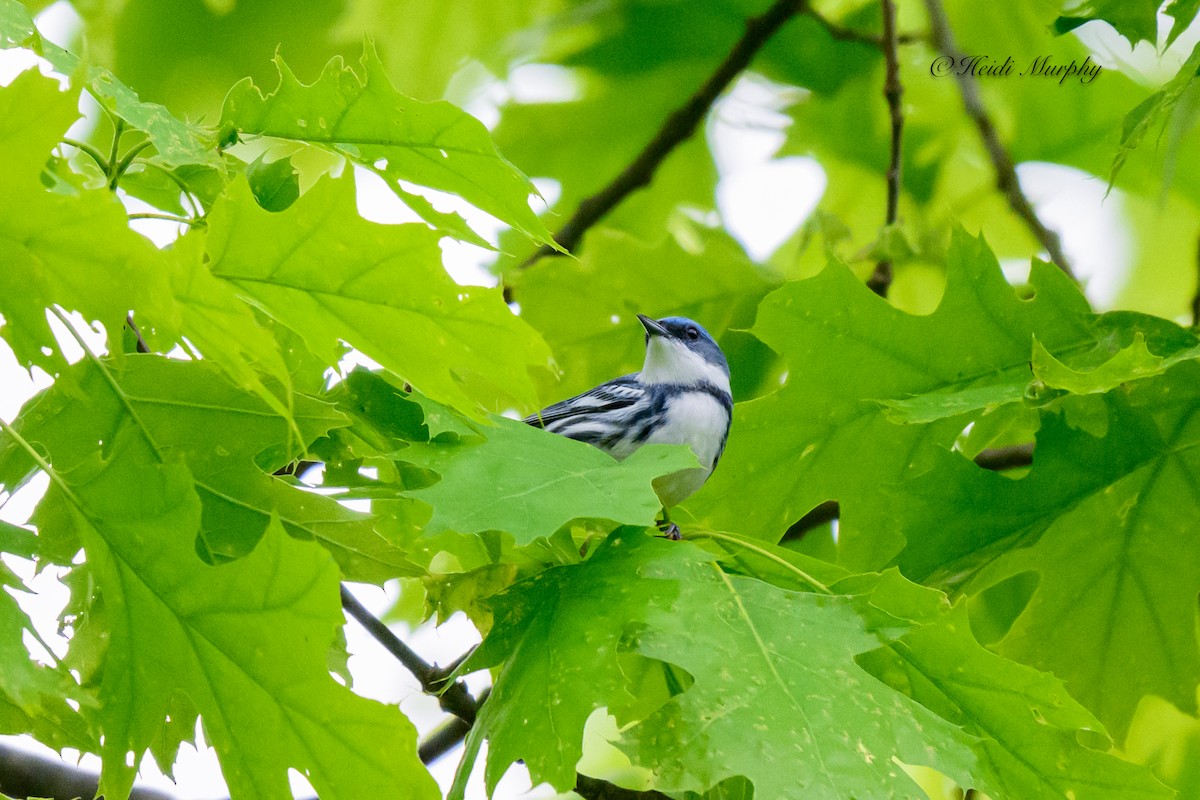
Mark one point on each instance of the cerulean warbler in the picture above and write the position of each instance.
(681, 396)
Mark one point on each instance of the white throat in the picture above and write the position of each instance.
(670, 361)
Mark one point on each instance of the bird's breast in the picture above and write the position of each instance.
(697, 419)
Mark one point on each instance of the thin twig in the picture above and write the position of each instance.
(850, 35)
(596, 789)
(168, 218)
(1006, 173)
(677, 128)
(454, 698)
(118, 132)
(893, 90)
(90, 151)
(127, 160)
(448, 736)
(142, 347)
(187, 193)
(26, 775)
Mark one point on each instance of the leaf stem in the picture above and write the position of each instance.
(112, 382)
(881, 279)
(169, 218)
(118, 132)
(183, 187)
(43, 465)
(87, 149)
(767, 554)
(127, 160)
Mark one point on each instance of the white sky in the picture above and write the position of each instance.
(761, 200)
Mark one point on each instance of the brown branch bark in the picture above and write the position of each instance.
(677, 128)
(881, 279)
(454, 698)
(596, 789)
(1002, 163)
(26, 775)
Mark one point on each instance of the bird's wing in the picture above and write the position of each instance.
(615, 395)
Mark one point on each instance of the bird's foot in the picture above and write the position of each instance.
(670, 531)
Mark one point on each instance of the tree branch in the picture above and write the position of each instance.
(1002, 163)
(677, 128)
(26, 775)
(454, 698)
(893, 90)
(596, 789)
(850, 35)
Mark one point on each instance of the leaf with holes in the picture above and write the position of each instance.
(364, 118)
(328, 274)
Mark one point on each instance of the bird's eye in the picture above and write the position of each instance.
(692, 333)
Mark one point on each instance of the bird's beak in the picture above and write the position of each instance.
(651, 325)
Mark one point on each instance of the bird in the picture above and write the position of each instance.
(681, 395)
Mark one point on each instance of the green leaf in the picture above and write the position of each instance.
(558, 637)
(826, 435)
(1161, 106)
(31, 687)
(230, 439)
(586, 309)
(176, 143)
(775, 684)
(275, 185)
(247, 642)
(1034, 754)
(364, 118)
(1181, 12)
(17, 540)
(74, 251)
(423, 46)
(1136, 20)
(330, 275)
(1097, 520)
(1132, 363)
(217, 325)
(1168, 741)
(1100, 594)
(529, 483)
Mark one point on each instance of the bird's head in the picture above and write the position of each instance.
(679, 350)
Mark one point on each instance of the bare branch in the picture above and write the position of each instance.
(1002, 163)
(25, 775)
(881, 279)
(850, 35)
(678, 128)
(596, 789)
(142, 347)
(454, 698)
